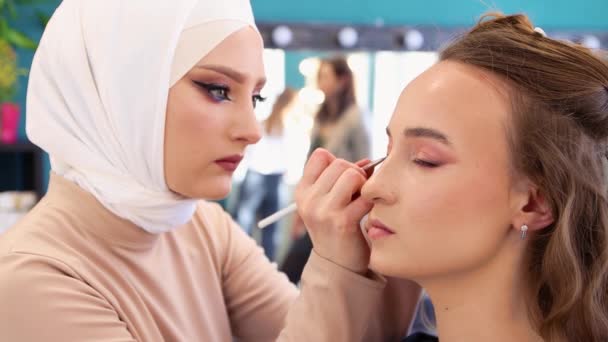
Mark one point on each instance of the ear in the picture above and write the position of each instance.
(534, 210)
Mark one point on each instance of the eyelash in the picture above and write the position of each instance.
(425, 164)
(257, 99)
(224, 92)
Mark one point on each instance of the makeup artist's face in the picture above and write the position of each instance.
(210, 117)
(445, 190)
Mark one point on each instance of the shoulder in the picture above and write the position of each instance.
(43, 238)
(41, 249)
(45, 300)
(21, 269)
(28, 279)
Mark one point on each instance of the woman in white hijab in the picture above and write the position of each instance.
(143, 107)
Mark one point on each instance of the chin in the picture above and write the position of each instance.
(217, 191)
(378, 264)
(214, 189)
(391, 265)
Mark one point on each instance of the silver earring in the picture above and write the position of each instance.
(524, 231)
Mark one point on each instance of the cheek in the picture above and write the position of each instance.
(198, 122)
(197, 114)
(447, 222)
(193, 127)
(200, 133)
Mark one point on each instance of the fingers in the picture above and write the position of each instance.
(358, 208)
(332, 217)
(298, 228)
(334, 182)
(361, 163)
(347, 185)
(319, 160)
(334, 171)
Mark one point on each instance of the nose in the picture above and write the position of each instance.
(380, 187)
(247, 129)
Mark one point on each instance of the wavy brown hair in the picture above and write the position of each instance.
(558, 136)
(333, 107)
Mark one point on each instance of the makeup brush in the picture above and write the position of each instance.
(292, 207)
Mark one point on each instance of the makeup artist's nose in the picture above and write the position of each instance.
(378, 188)
(247, 129)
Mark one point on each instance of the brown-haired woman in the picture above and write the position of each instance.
(493, 196)
(339, 125)
(339, 128)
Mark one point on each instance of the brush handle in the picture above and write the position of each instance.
(277, 216)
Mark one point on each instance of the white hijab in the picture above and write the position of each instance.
(98, 91)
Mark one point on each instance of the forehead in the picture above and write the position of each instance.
(450, 93)
(464, 102)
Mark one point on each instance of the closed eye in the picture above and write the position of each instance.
(426, 164)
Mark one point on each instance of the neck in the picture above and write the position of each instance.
(332, 107)
(482, 304)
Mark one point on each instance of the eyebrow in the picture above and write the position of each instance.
(231, 73)
(423, 132)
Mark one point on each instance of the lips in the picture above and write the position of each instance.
(377, 230)
(229, 163)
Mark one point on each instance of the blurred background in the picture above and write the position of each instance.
(383, 45)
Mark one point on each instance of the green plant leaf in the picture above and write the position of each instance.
(20, 40)
(12, 10)
(3, 28)
(22, 72)
(43, 18)
(7, 94)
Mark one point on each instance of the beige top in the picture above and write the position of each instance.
(347, 137)
(73, 271)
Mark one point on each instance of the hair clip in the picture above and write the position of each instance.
(540, 31)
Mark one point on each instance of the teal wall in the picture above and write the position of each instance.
(582, 14)
(563, 14)
(557, 14)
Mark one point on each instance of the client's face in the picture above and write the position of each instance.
(445, 190)
(210, 117)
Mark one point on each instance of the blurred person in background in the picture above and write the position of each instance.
(267, 163)
(339, 128)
